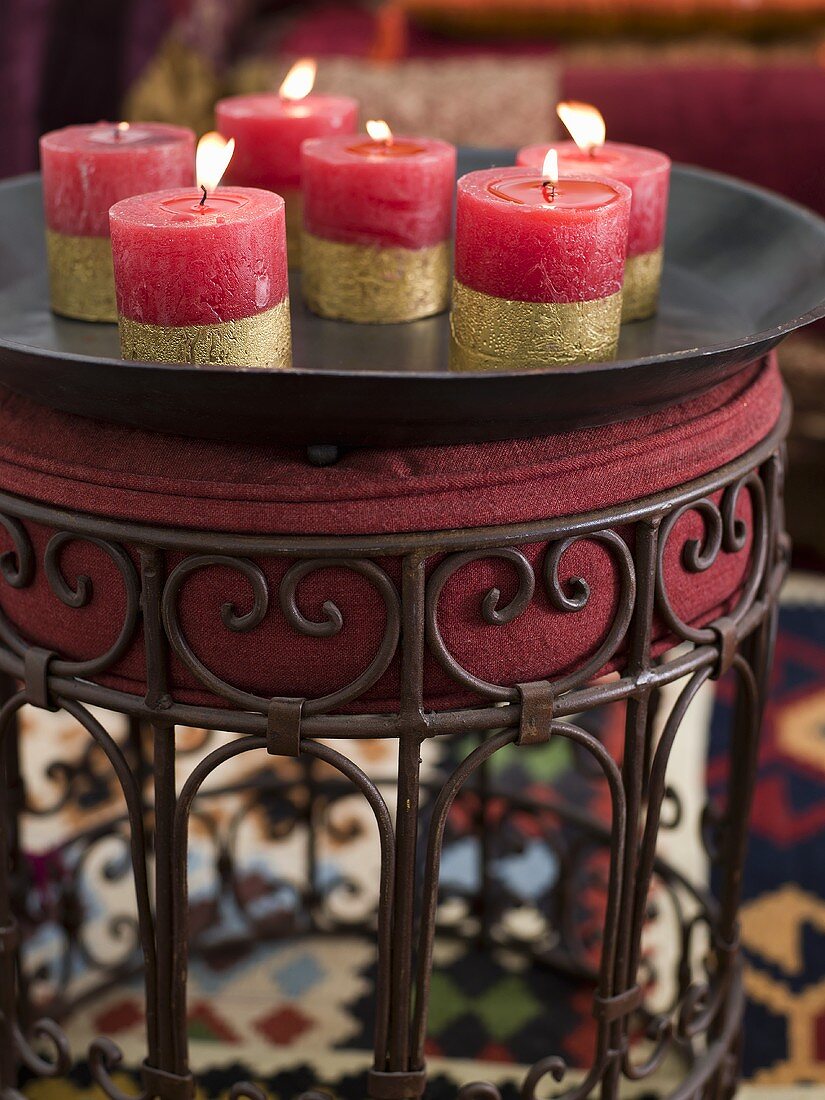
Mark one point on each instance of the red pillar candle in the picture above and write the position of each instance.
(269, 131)
(85, 170)
(645, 171)
(377, 225)
(538, 268)
(202, 280)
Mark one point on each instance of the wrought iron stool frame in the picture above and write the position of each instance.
(703, 1025)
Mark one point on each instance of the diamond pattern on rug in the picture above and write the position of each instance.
(283, 1026)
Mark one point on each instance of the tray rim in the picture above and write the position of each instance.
(764, 338)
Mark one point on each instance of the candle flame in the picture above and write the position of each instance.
(212, 159)
(300, 79)
(122, 127)
(584, 123)
(378, 130)
(550, 168)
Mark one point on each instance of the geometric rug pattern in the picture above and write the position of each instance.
(783, 917)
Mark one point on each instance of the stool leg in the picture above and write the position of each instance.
(400, 1071)
(753, 665)
(638, 721)
(166, 1071)
(165, 1056)
(404, 903)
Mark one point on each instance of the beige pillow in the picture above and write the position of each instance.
(485, 101)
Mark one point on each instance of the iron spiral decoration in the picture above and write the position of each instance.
(248, 621)
(571, 595)
(155, 787)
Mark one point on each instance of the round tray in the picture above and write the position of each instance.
(743, 268)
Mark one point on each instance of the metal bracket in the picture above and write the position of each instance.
(727, 641)
(283, 727)
(728, 949)
(169, 1086)
(536, 713)
(396, 1086)
(36, 675)
(619, 1005)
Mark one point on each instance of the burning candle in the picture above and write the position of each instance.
(269, 130)
(202, 277)
(647, 174)
(377, 221)
(539, 261)
(85, 170)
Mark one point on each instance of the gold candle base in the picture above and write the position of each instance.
(264, 340)
(81, 280)
(294, 200)
(373, 285)
(642, 277)
(499, 334)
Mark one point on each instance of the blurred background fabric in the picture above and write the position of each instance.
(737, 86)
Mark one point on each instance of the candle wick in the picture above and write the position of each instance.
(551, 184)
(203, 197)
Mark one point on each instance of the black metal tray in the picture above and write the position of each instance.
(743, 268)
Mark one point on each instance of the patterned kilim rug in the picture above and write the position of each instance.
(294, 1012)
(783, 920)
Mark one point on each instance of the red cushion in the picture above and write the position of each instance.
(124, 473)
(692, 112)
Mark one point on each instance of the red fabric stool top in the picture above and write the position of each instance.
(122, 473)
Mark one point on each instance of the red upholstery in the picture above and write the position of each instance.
(124, 473)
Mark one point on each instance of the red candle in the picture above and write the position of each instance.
(645, 171)
(377, 226)
(85, 170)
(269, 131)
(539, 263)
(202, 279)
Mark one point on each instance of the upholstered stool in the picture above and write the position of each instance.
(494, 589)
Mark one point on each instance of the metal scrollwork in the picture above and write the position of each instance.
(479, 1090)
(570, 596)
(724, 532)
(574, 596)
(105, 1058)
(244, 622)
(553, 1066)
(80, 594)
(44, 1031)
(18, 568)
(491, 612)
(231, 617)
(123, 928)
(333, 623)
(660, 1029)
(375, 800)
(17, 565)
